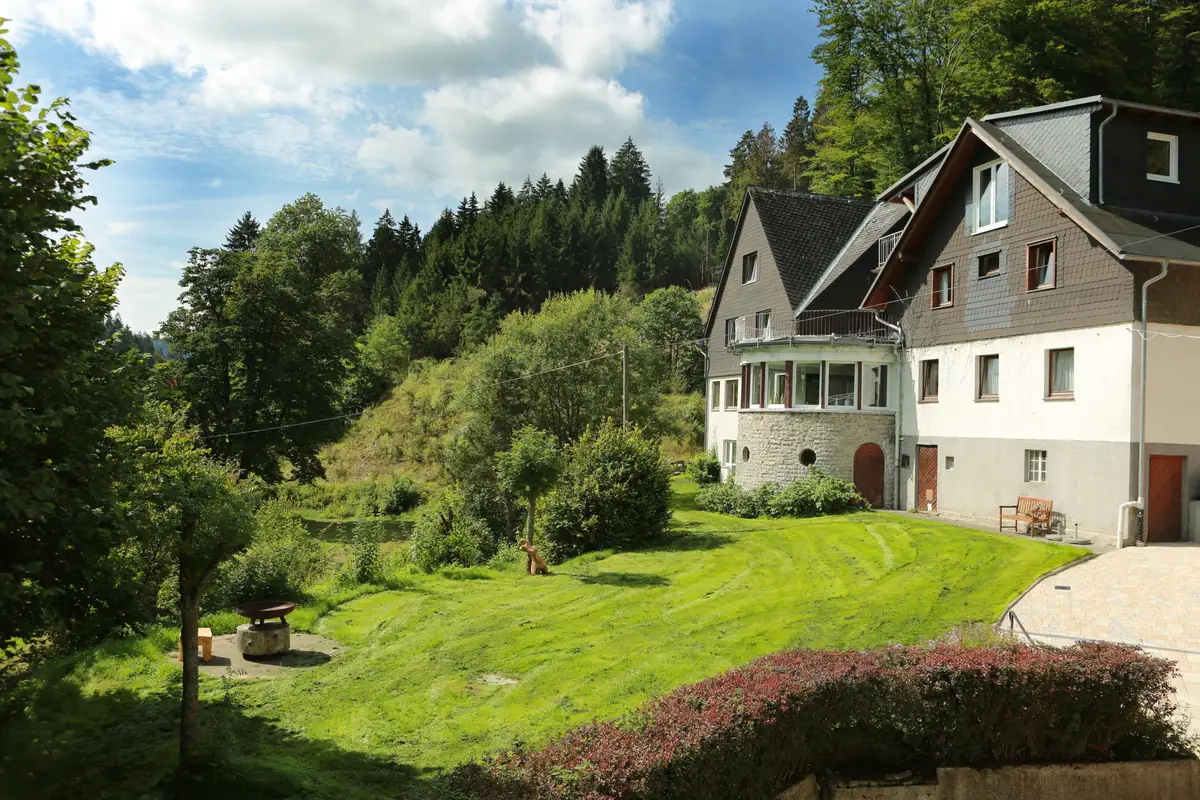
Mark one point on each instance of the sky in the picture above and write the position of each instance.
(211, 108)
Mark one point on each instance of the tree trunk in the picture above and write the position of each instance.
(189, 601)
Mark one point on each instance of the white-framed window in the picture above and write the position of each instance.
(731, 394)
(1060, 373)
(762, 324)
(987, 385)
(1035, 466)
(840, 380)
(1162, 157)
(776, 383)
(756, 385)
(875, 385)
(929, 381)
(749, 268)
(714, 396)
(729, 452)
(731, 326)
(806, 385)
(990, 196)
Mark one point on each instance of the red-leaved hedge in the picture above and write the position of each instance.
(755, 730)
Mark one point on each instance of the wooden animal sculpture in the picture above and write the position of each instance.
(534, 562)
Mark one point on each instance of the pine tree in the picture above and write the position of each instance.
(383, 256)
(591, 183)
(560, 192)
(244, 234)
(544, 189)
(796, 144)
(526, 193)
(500, 201)
(630, 172)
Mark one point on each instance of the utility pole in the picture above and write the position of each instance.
(625, 386)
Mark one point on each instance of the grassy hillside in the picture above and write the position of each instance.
(458, 665)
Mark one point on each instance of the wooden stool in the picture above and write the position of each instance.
(205, 637)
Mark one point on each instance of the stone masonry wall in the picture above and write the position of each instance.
(776, 438)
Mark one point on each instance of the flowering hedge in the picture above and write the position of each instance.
(757, 729)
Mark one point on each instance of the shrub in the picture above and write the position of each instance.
(449, 534)
(815, 494)
(755, 730)
(614, 493)
(365, 561)
(396, 494)
(280, 562)
(705, 468)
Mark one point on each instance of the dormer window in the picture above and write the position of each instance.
(990, 194)
(1162, 157)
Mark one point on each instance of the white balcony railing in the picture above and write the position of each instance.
(852, 323)
(886, 245)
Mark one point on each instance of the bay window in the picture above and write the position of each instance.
(841, 388)
(776, 374)
(875, 385)
(806, 386)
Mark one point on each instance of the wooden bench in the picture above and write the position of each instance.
(204, 635)
(1033, 510)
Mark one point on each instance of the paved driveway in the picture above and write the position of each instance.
(1138, 595)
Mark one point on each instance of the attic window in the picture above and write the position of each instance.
(990, 196)
(1162, 157)
(749, 268)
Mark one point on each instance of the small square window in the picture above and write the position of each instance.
(1061, 378)
(731, 394)
(949, 463)
(750, 268)
(929, 380)
(1162, 157)
(943, 286)
(989, 264)
(1041, 267)
(1035, 466)
(905, 461)
(987, 385)
(714, 400)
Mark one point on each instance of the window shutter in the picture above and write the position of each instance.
(969, 220)
(745, 386)
(787, 384)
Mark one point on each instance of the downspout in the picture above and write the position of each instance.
(1100, 160)
(707, 400)
(898, 348)
(1142, 461)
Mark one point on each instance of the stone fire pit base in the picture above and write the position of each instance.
(264, 638)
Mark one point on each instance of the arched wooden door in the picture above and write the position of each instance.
(868, 473)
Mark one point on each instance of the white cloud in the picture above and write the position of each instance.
(144, 301)
(597, 36)
(120, 227)
(215, 183)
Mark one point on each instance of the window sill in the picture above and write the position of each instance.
(1059, 398)
(991, 398)
(1031, 290)
(995, 226)
(990, 275)
(752, 280)
(927, 400)
(943, 305)
(1162, 178)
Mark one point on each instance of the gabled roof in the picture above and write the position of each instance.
(883, 218)
(931, 163)
(1095, 99)
(804, 231)
(1128, 235)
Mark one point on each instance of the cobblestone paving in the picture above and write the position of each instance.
(1138, 595)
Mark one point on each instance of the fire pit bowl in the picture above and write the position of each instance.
(259, 611)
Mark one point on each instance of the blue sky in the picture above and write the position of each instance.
(214, 107)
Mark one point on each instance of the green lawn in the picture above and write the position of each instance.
(408, 696)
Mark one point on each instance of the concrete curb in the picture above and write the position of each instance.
(1034, 585)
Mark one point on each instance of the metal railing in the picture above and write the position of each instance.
(886, 245)
(848, 324)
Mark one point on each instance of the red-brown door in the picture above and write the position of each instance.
(1164, 513)
(868, 473)
(927, 471)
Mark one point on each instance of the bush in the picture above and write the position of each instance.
(280, 562)
(705, 468)
(396, 494)
(757, 729)
(364, 563)
(613, 493)
(449, 534)
(813, 495)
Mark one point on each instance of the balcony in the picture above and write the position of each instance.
(857, 324)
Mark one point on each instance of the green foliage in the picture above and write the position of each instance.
(364, 564)
(381, 363)
(680, 420)
(61, 386)
(244, 234)
(613, 493)
(817, 493)
(670, 318)
(281, 561)
(397, 494)
(393, 494)
(531, 465)
(448, 534)
(705, 468)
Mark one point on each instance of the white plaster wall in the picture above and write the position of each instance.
(1101, 410)
(1172, 384)
(722, 424)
